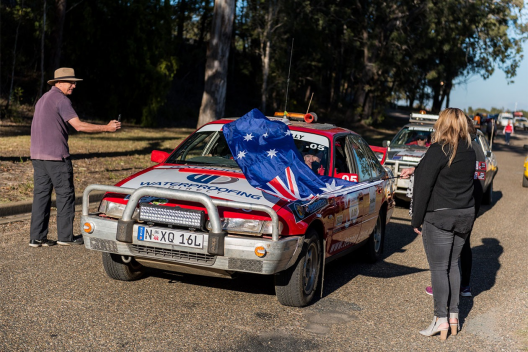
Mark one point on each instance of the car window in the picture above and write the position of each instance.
(414, 137)
(376, 167)
(361, 159)
(208, 146)
(484, 143)
(341, 164)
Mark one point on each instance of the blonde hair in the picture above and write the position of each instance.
(451, 127)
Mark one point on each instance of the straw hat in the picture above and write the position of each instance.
(64, 74)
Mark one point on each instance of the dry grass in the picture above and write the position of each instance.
(103, 158)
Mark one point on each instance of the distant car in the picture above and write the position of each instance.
(408, 147)
(195, 212)
(504, 118)
(403, 153)
(520, 123)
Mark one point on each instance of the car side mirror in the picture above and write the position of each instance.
(157, 156)
(488, 153)
(385, 143)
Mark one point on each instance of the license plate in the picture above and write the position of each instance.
(176, 238)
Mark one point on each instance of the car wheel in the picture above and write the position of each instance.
(488, 195)
(525, 181)
(117, 269)
(376, 240)
(296, 285)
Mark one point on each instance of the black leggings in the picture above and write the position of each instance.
(466, 262)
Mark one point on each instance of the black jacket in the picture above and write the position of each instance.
(438, 186)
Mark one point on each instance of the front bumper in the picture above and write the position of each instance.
(402, 184)
(220, 250)
(239, 251)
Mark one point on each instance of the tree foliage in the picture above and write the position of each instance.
(146, 59)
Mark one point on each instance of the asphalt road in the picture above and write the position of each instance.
(60, 299)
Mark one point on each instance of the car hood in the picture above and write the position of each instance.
(217, 182)
(411, 154)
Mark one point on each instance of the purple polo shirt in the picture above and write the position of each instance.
(49, 129)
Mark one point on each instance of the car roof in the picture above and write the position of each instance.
(325, 129)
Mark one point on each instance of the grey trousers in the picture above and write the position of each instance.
(443, 249)
(49, 174)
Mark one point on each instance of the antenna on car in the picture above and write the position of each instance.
(288, 81)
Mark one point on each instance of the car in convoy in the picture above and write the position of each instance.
(410, 144)
(195, 212)
(519, 121)
(407, 148)
(504, 118)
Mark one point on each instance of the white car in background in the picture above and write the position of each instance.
(504, 118)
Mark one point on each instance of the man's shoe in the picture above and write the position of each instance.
(465, 291)
(76, 240)
(429, 290)
(42, 243)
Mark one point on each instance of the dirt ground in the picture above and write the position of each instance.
(104, 158)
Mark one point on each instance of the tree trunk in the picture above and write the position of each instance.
(42, 70)
(14, 58)
(213, 99)
(56, 34)
(265, 50)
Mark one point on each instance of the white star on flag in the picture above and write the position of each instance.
(272, 153)
(331, 187)
(287, 133)
(265, 135)
(241, 154)
(248, 137)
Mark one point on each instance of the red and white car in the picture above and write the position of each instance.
(194, 212)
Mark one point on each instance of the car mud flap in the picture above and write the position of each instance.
(125, 228)
(216, 243)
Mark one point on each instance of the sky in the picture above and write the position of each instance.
(495, 91)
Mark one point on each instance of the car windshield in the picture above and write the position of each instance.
(412, 137)
(208, 147)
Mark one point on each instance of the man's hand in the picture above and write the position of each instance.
(81, 126)
(406, 173)
(417, 230)
(113, 126)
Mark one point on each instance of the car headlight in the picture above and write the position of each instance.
(115, 210)
(246, 226)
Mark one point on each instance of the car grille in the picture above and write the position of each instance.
(172, 254)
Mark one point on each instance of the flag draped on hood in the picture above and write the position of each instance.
(266, 153)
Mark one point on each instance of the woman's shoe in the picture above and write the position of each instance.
(453, 323)
(439, 325)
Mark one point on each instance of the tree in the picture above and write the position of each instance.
(213, 99)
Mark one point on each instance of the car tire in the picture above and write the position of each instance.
(487, 198)
(296, 286)
(525, 181)
(376, 240)
(119, 270)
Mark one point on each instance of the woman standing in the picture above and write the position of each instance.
(443, 206)
(508, 131)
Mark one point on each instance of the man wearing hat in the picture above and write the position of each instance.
(51, 159)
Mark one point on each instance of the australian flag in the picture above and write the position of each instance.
(266, 153)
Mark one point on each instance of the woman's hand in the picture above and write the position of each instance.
(406, 173)
(417, 230)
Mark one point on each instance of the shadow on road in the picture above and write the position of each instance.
(486, 265)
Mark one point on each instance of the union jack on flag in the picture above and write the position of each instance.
(266, 153)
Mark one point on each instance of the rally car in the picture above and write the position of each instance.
(410, 144)
(408, 147)
(195, 212)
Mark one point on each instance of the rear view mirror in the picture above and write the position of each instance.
(385, 143)
(158, 156)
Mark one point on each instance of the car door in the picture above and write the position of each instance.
(348, 217)
(370, 171)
